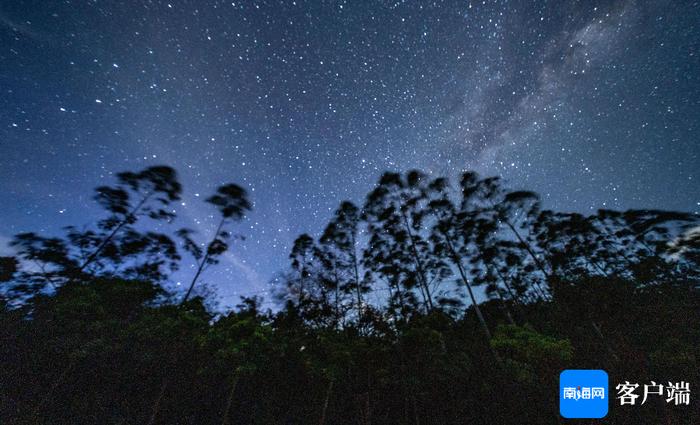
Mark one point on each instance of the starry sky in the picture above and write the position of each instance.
(305, 103)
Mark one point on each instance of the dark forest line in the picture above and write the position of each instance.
(88, 334)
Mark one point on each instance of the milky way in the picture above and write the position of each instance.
(591, 104)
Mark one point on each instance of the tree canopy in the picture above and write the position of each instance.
(427, 303)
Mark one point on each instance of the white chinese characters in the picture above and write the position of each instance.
(678, 393)
(584, 393)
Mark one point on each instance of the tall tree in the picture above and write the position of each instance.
(116, 243)
(232, 202)
(452, 236)
(312, 282)
(146, 193)
(340, 240)
(303, 264)
(391, 211)
(516, 210)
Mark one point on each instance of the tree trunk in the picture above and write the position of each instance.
(389, 306)
(104, 243)
(337, 298)
(325, 403)
(159, 399)
(543, 294)
(527, 248)
(513, 297)
(229, 400)
(203, 262)
(414, 404)
(456, 260)
(357, 280)
(600, 335)
(368, 400)
(504, 306)
(419, 264)
(61, 378)
(164, 384)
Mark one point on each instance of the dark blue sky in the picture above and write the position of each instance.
(592, 104)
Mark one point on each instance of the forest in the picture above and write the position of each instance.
(432, 302)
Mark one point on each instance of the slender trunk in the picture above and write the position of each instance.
(325, 403)
(409, 391)
(513, 297)
(399, 298)
(102, 246)
(419, 265)
(164, 384)
(600, 335)
(538, 263)
(422, 294)
(404, 390)
(357, 279)
(368, 409)
(104, 242)
(229, 400)
(61, 378)
(544, 294)
(202, 263)
(391, 298)
(462, 274)
(595, 265)
(302, 279)
(414, 403)
(46, 275)
(159, 399)
(504, 306)
(337, 296)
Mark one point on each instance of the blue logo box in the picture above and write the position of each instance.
(583, 394)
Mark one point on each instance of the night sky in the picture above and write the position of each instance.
(591, 104)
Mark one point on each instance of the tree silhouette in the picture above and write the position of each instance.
(340, 240)
(452, 236)
(115, 246)
(146, 193)
(303, 265)
(332, 278)
(110, 344)
(493, 202)
(392, 211)
(232, 202)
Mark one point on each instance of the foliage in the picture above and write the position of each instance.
(423, 305)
